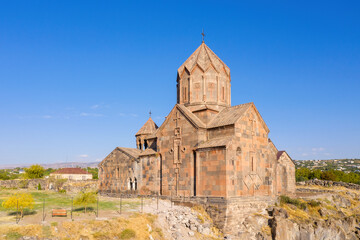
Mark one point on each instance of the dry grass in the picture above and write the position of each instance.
(266, 230)
(92, 229)
(296, 214)
(203, 217)
(11, 231)
(201, 213)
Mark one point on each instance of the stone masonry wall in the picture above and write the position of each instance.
(176, 144)
(49, 184)
(118, 170)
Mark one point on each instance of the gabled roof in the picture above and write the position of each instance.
(192, 117)
(71, 171)
(148, 128)
(132, 152)
(279, 153)
(272, 145)
(204, 57)
(217, 142)
(229, 115)
(147, 152)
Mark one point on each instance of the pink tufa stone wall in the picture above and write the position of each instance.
(115, 173)
(176, 141)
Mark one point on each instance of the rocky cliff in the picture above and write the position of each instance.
(318, 211)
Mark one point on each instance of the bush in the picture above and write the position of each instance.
(34, 171)
(62, 191)
(292, 201)
(313, 203)
(39, 186)
(127, 234)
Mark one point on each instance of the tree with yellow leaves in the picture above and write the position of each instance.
(85, 199)
(19, 201)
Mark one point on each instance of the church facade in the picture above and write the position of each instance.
(205, 148)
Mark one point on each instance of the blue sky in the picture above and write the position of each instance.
(78, 78)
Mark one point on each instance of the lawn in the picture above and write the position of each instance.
(63, 200)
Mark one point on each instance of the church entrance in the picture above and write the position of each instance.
(194, 183)
(161, 192)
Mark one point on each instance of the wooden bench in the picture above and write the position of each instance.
(59, 213)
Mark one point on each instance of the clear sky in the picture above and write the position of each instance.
(78, 78)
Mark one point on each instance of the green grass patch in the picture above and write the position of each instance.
(54, 200)
(127, 234)
(13, 236)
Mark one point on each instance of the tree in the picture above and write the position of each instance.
(48, 171)
(94, 172)
(302, 174)
(329, 175)
(19, 200)
(85, 199)
(34, 171)
(4, 175)
(315, 174)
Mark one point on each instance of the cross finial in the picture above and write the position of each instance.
(203, 36)
(150, 113)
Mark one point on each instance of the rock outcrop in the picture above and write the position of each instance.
(318, 212)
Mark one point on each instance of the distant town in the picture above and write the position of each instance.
(346, 165)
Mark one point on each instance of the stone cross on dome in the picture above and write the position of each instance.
(203, 36)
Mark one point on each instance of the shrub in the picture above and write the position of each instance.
(313, 203)
(292, 201)
(127, 234)
(62, 191)
(39, 186)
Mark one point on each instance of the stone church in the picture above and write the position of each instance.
(206, 149)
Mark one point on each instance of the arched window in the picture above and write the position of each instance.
(145, 144)
(135, 184)
(140, 145)
(130, 184)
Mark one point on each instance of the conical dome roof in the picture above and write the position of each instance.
(204, 57)
(148, 128)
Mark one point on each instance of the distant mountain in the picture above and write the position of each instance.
(53, 165)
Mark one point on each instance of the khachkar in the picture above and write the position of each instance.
(206, 150)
